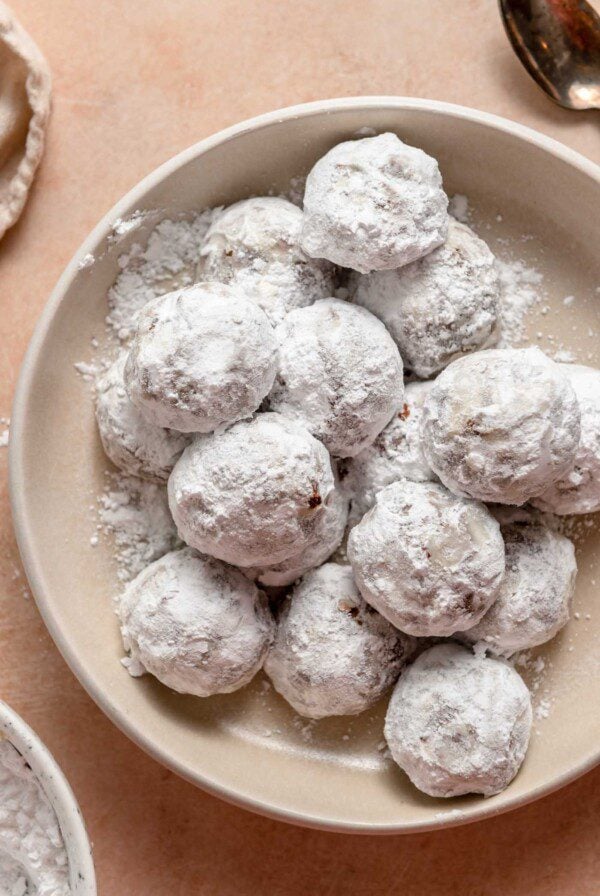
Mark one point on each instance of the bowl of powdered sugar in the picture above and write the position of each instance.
(305, 466)
(44, 848)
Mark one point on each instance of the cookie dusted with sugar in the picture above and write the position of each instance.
(339, 373)
(440, 307)
(200, 358)
(326, 537)
(194, 623)
(430, 562)
(333, 655)
(255, 245)
(534, 601)
(459, 723)
(578, 490)
(501, 425)
(374, 204)
(132, 443)
(395, 454)
(254, 494)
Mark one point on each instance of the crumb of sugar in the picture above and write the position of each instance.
(4, 435)
(568, 301)
(86, 262)
(88, 372)
(458, 207)
(123, 226)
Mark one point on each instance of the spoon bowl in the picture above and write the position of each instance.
(558, 42)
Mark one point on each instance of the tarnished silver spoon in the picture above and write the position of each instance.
(558, 42)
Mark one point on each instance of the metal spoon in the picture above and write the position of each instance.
(558, 42)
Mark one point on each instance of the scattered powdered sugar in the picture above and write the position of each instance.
(122, 226)
(520, 291)
(4, 435)
(136, 514)
(86, 262)
(168, 261)
(458, 207)
(33, 858)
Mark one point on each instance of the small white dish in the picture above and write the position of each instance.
(56, 788)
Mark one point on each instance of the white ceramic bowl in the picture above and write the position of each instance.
(59, 794)
(248, 747)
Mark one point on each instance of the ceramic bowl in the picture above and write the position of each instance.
(56, 788)
(530, 196)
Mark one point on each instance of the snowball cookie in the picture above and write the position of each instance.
(374, 204)
(440, 307)
(501, 425)
(252, 495)
(326, 537)
(430, 562)
(534, 600)
(339, 373)
(333, 655)
(129, 441)
(395, 454)
(459, 723)
(578, 490)
(197, 625)
(255, 246)
(200, 358)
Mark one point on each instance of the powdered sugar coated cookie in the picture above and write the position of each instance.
(136, 446)
(339, 373)
(440, 307)
(395, 454)
(535, 596)
(459, 723)
(500, 425)
(200, 358)
(429, 561)
(255, 246)
(333, 654)
(194, 623)
(578, 490)
(253, 494)
(374, 204)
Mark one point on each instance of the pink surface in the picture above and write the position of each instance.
(135, 83)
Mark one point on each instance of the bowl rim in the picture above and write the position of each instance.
(100, 232)
(58, 791)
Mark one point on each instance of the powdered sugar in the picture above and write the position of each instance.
(520, 287)
(136, 515)
(33, 858)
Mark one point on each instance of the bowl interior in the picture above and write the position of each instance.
(250, 747)
(55, 786)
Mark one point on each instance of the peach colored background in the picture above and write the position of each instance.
(134, 83)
